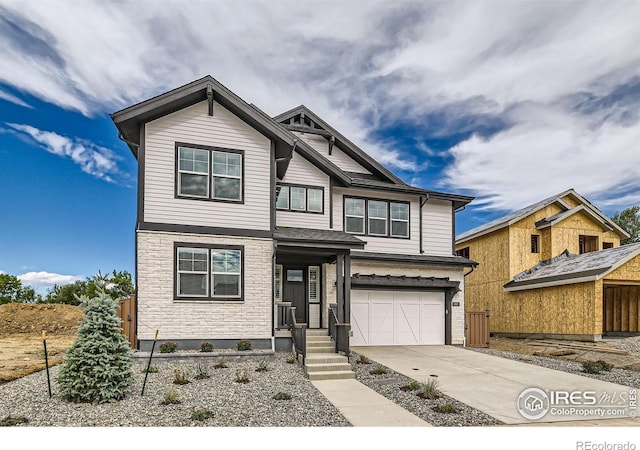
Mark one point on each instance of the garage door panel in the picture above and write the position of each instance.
(432, 324)
(381, 330)
(407, 322)
(360, 318)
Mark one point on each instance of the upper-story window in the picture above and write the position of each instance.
(535, 243)
(464, 252)
(209, 173)
(587, 244)
(300, 198)
(606, 245)
(374, 217)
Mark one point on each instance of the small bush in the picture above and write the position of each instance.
(292, 358)
(412, 386)
(605, 365)
(168, 347)
(262, 367)
(179, 376)
(242, 375)
(244, 345)
(282, 396)
(445, 408)
(201, 372)
(378, 370)
(363, 360)
(591, 367)
(201, 414)
(171, 397)
(430, 389)
(206, 347)
(223, 363)
(151, 369)
(11, 421)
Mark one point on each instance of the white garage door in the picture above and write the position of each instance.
(397, 318)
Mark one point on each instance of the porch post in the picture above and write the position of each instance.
(340, 286)
(347, 288)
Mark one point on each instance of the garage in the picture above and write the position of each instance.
(385, 317)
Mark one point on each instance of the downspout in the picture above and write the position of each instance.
(422, 203)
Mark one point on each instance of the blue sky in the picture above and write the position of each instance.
(508, 101)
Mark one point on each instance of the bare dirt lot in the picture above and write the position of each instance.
(21, 326)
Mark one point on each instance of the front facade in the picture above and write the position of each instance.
(241, 215)
(554, 269)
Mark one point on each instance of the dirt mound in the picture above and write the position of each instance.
(21, 318)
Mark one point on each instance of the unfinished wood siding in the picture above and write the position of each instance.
(192, 125)
(302, 172)
(566, 234)
(621, 312)
(338, 157)
(628, 272)
(409, 246)
(437, 228)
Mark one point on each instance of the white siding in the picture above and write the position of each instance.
(380, 244)
(437, 228)
(302, 172)
(338, 157)
(192, 125)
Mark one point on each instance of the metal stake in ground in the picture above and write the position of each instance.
(46, 360)
(146, 372)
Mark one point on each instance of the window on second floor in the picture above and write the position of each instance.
(300, 198)
(373, 217)
(464, 252)
(588, 243)
(606, 245)
(209, 173)
(535, 243)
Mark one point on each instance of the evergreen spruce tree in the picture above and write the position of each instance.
(98, 366)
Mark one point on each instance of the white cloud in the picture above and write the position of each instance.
(13, 99)
(92, 159)
(47, 279)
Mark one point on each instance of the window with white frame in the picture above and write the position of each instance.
(384, 218)
(377, 218)
(399, 219)
(282, 197)
(209, 272)
(354, 215)
(300, 198)
(209, 173)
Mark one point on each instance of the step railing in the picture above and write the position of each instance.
(298, 334)
(282, 311)
(339, 332)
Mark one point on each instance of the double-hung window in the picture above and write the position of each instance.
(374, 217)
(300, 198)
(209, 173)
(209, 272)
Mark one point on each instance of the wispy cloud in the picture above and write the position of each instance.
(13, 99)
(47, 279)
(94, 160)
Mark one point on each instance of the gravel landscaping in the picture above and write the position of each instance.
(390, 385)
(219, 400)
(632, 344)
(619, 376)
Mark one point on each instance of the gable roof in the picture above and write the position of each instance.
(520, 214)
(568, 268)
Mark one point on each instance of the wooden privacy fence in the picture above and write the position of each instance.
(621, 309)
(127, 313)
(477, 329)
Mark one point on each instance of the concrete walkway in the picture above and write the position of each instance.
(488, 383)
(364, 407)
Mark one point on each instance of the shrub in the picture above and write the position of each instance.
(244, 344)
(206, 347)
(98, 366)
(292, 358)
(171, 397)
(179, 376)
(151, 369)
(605, 365)
(445, 408)
(412, 386)
(262, 367)
(591, 367)
(222, 363)
(168, 347)
(362, 359)
(11, 421)
(242, 375)
(430, 389)
(201, 414)
(201, 372)
(282, 396)
(378, 370)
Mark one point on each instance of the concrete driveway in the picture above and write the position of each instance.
(492, 384)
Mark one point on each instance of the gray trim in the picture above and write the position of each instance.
(347, 288)
(309, 130)
(141, 173)
(135, 256)
(416, 259)
(196, 229)
(283, 344)
(272, 185)
(330, 239)
(340, 287)
(448, 296)
(194, 344)
(453, 231)
(572, 276)
(387, 282)
(331, 203)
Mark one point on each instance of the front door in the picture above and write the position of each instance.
(294, 290)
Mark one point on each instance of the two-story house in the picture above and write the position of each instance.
(241, 215)
(554, 269)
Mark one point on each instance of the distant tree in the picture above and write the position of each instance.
(116, 285)
(629, 221)
(12, 290)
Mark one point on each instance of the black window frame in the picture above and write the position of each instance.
(464, 252)
(607, 245)
(306, 187)
(210, 175)
(366, 217)
(209, 297)
(535, 243)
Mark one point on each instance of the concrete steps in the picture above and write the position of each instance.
(322, 363)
